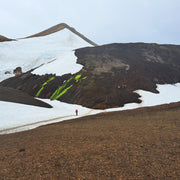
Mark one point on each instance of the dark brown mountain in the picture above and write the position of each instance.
(110, 75)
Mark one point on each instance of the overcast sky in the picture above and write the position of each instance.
(102, 21)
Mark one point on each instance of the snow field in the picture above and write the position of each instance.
(16, 117)
(54, 53)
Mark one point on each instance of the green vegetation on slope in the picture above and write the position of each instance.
(66, 86)
(44, 84)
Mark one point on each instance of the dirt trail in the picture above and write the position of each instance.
(15, 129)
(40, 123)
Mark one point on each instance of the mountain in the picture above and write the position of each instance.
(71, 73)
(51, 50)
(110, 77)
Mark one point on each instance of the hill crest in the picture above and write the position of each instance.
(3, 38)
(60, 27)
(52, 30)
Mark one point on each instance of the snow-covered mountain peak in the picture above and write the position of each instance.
(52, 53)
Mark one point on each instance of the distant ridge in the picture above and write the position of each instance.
(3, 38)
(60, 27)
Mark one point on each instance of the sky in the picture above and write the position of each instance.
(102, 21)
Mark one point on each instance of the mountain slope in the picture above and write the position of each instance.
(51, 50)
(109, 77)
(14, 95)
(136, 144)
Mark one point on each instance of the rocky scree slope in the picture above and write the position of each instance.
(110, 75)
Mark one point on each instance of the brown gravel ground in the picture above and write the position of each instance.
(134, 144)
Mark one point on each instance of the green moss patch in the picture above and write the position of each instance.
(77, 77)
(61, 90)
(44, 84)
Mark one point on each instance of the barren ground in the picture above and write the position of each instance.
(134, 144)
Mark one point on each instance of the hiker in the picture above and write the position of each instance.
(76, 112)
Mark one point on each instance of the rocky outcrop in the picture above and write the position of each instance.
(110, 75)
(17, 71)
(7, 72)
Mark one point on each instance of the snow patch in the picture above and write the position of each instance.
(15, 117)
(168, 93)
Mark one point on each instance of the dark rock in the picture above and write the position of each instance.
(7, 72)
(17, 71)
(22, 150)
